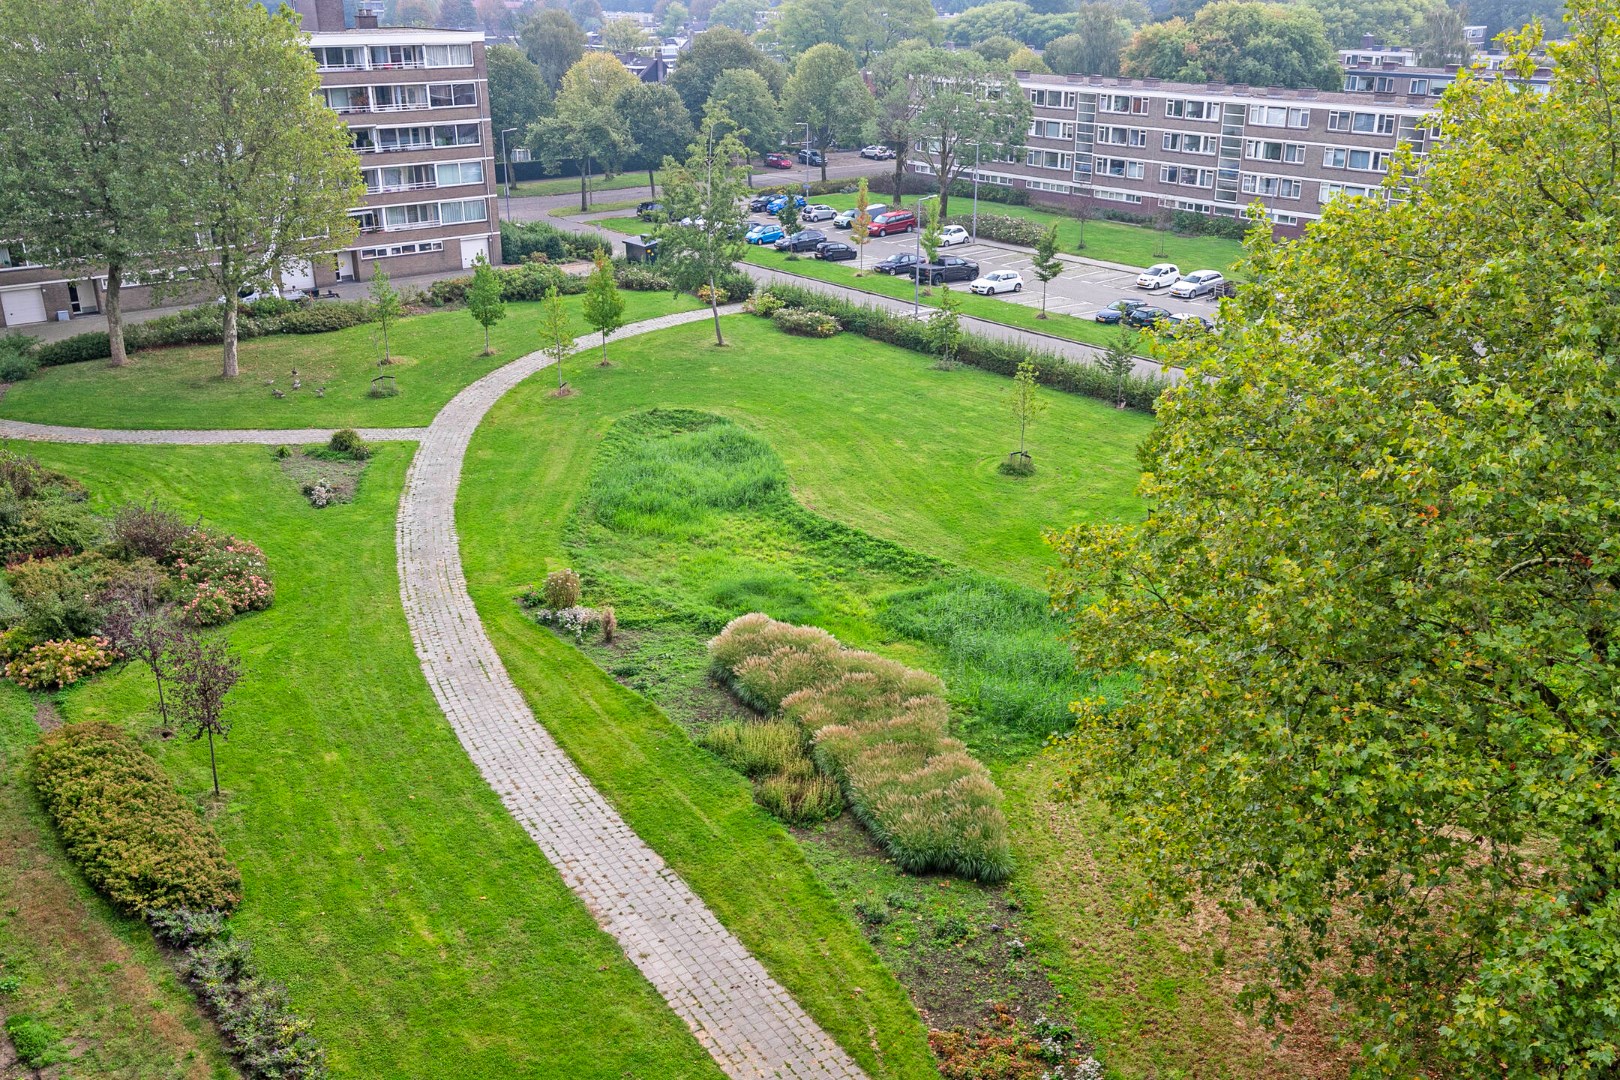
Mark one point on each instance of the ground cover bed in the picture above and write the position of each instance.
(435, 355)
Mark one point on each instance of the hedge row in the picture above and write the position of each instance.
(991, 354)
(532, 280)
(521, 241)
(204, 326)
(137, 839)
(1008, 230)
(845, 186)
(879, 729)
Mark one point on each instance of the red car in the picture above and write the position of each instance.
(778, 161)
(895, 221)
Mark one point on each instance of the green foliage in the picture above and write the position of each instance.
(658, 124)
(1008, 230)
(1371, 610)
(604, 307)
(137, 840)
(1046, 263)
(826, 91)
(554, 43)
(518, 94)
(522, 240)
(1238, 41)
(53, 665)
(18, 357)
(801, 796)
(713, 53)
(1025, 400)
(706, 190)
(805, 323)
(755, 749)
(386, 306)
(742, 99)
(586, 127)
(560, 590)
(34, 1040)
(348, 443)
(943, 331)
(484, 301)
(1187, 223)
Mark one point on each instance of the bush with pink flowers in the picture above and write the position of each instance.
(52, 665)
(221, 577)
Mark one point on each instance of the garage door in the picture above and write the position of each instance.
(300, 275)
(471, 249)
(23, 306)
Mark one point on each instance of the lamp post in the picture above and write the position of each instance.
(916, 255)
(805, 124)
(975, 191)
(506, 171)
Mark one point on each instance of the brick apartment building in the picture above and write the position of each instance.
(417, 103)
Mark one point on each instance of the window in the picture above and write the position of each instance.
(1350, 191)
(1190, 144)
(1354, 84)
(398, 177)
(455, 135)
(1418, 86)
(1129, 170)
(1364, 123)
(1118, 136)
(1386, 85)
(1189, 177)
(1279, 116)
(1120, 103)
(449, 55)
(1049, 159)
(448, 95)
(419, 248)
(1285, 219)
(347, 99)
(1279, 187)
(12, 255)
(404, 138)
(1052, 99)
(365, 139)
(335, 58)
(1192, 109)
(460, 172)
(403, 96)
(410, 216)
(396, 56)
(1263, 150)
(1047, 185)
(366, 219)
(1362, 160)
(1118, 196)
(453, 213)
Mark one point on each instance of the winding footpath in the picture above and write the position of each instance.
(747, 1022)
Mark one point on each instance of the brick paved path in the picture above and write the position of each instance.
(743, 1017)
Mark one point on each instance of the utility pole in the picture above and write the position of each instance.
(506, 172)
(806, 127)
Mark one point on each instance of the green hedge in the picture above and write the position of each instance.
(137, 839)
(204, 326)
(522, 240)
(1008, 230)
(991, 354)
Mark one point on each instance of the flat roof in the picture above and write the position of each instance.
(395, 35)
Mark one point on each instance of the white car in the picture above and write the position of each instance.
(817, 212)
(877, 153)
(953, 234)
(1158, 276)
(999, 281)
(847, 218)
(1198, 283)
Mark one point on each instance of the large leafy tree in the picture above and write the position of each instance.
(896, 107)
(1093, 49)
(742, 99)
(85, 164)
(1441, 39)
(554, 42)
(826, 91)
(587, 127)
(1372, 614)
(962, 99)
(458, 14)
(518, 95)
(269, 171)
(803, 24)
(624, 35)
(657, 123)
(871, 27)
(736, 14)
(1238, 41)
(1500, 15)
(713, 52)
(1387, 20)
(706, 192)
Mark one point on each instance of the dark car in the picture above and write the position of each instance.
(894, 221)
(1146, 316)
(758, 203)
(897, 264)
(778, 161)
(810, 157)
(949, 268)
(648, 210)
(1116, 311)
(834, 251)
(804, 240)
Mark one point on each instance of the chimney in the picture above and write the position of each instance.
(365, 19)
(328, 15)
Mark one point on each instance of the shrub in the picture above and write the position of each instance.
(754, 749)
(574, 620)
(1189, 223)
(530, 282)
(52, 665)
(1001, 227)
(270, 1041)
(75, 349)
(32, 1039)
(521, 241)
(220, 577)
(735, 286)
(637, 277)
(561, 589)
(18, 358)
(137, 840)
(145, 531)
(323, 317)
(805, 323)
(53, 524)
(347, 441)
(799, 800)
(765, 305)
(59, 595)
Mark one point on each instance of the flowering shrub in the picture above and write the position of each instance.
(570, 620)
(561, 589)
(220, 577)
(51, 665)
(1010, 1051)
(805, 323)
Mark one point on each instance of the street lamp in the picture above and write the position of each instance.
(806, 127)
(916, 265)
(506, 171)
(975, 191)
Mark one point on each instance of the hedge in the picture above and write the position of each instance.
(203, 326)
(991, 354)
(522, 240)
(137, 839)
(1008, 230)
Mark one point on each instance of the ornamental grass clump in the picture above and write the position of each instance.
(755, 749)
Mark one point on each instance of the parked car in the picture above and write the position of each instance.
(1198, 283)
(1184, 321)
(766, 233)
(1114, 312)
(1158, 276)
(897, 264)
(948, 268)
(999, 281)
(834, 251)
(1146, 316)
(646, 211)
(774, 207)
(893, 221)
(803, 240)
(953, 234)
(846, 218)
(758, 203)
(809, 157)
(877, 153)
(778, 161)
(817, 212)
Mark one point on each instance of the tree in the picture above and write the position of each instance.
(1005, 18)
(624, 35)
(1118, 361)
(707, 189)
(386, 307)
(860, 227)
(1026, 403)
(712, 53)
(555, 340)
(414, 13)
(1346, 21)
(270, 172)
(930, 238)
(484, 302)
(1046, 263)
(997, 49)
(1441, 39)
(801, 25)
(962, 99)
(827, 92)
(494, 17)
(1500, 15)
(675, 16)
(658, 124)
(603, 307)
(143, 630)
(458, 14)
(742, 98)
(554, 42)
(871, 27)
(204, 674)
(736, 14)
(1370, 618)
(944, 329)
(1025, 58)
(1238, 41)
(587, 14)
(587, 126)
(896, 109)
(1101, 32)
(788, 216)
(518, 95)
(86, 168)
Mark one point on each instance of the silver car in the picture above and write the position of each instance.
(1198, 283)
(846, 218)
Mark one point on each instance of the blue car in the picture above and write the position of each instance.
(764, 234)
(774, 207)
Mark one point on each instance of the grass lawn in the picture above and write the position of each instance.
(435, 355)
(94, 978)
(569, 185)
(414, 921)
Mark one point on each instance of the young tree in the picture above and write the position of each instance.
(555, 340)
(270, 172)
(743, 98)
(1026, 403)
(944, 329)
(603, 307)
(860, 227)
(827, 92)
(518, 95)
(554, 42)
(143, 630)
(587, 126)
(963, 99)
(1025, 58)
(1046, 263)
(86, 167)
(386, 307)
(1371, 617)
(657, 123)
(1118, 361)
(204, 674)
(930, 238)
(788, 216)
(484, 302)
(708, 190)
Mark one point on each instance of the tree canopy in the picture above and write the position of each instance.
(1102, 30)
(826, 91)
(743, 100)
(1238, 41)
(656, 122)
(1370, 616)
(587, 126)
(1345, 21)
(554, 42)
(713, 52)
(518, 94)
(961, 98)
(704, 199)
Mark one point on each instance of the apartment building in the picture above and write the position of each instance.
(417, 103)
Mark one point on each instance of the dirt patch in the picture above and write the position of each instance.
(46, 715)
(323, 480)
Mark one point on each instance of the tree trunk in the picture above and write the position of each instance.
(1043, 299)
(823, 166)
(899, 178)
(115, 315)
(584, 185)
(714, 307)
(231, 370)
(388, 357)
(604, 349)
(652, 181)
(944, 197)
(488, 350)
(213, 763)
(163, 707)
